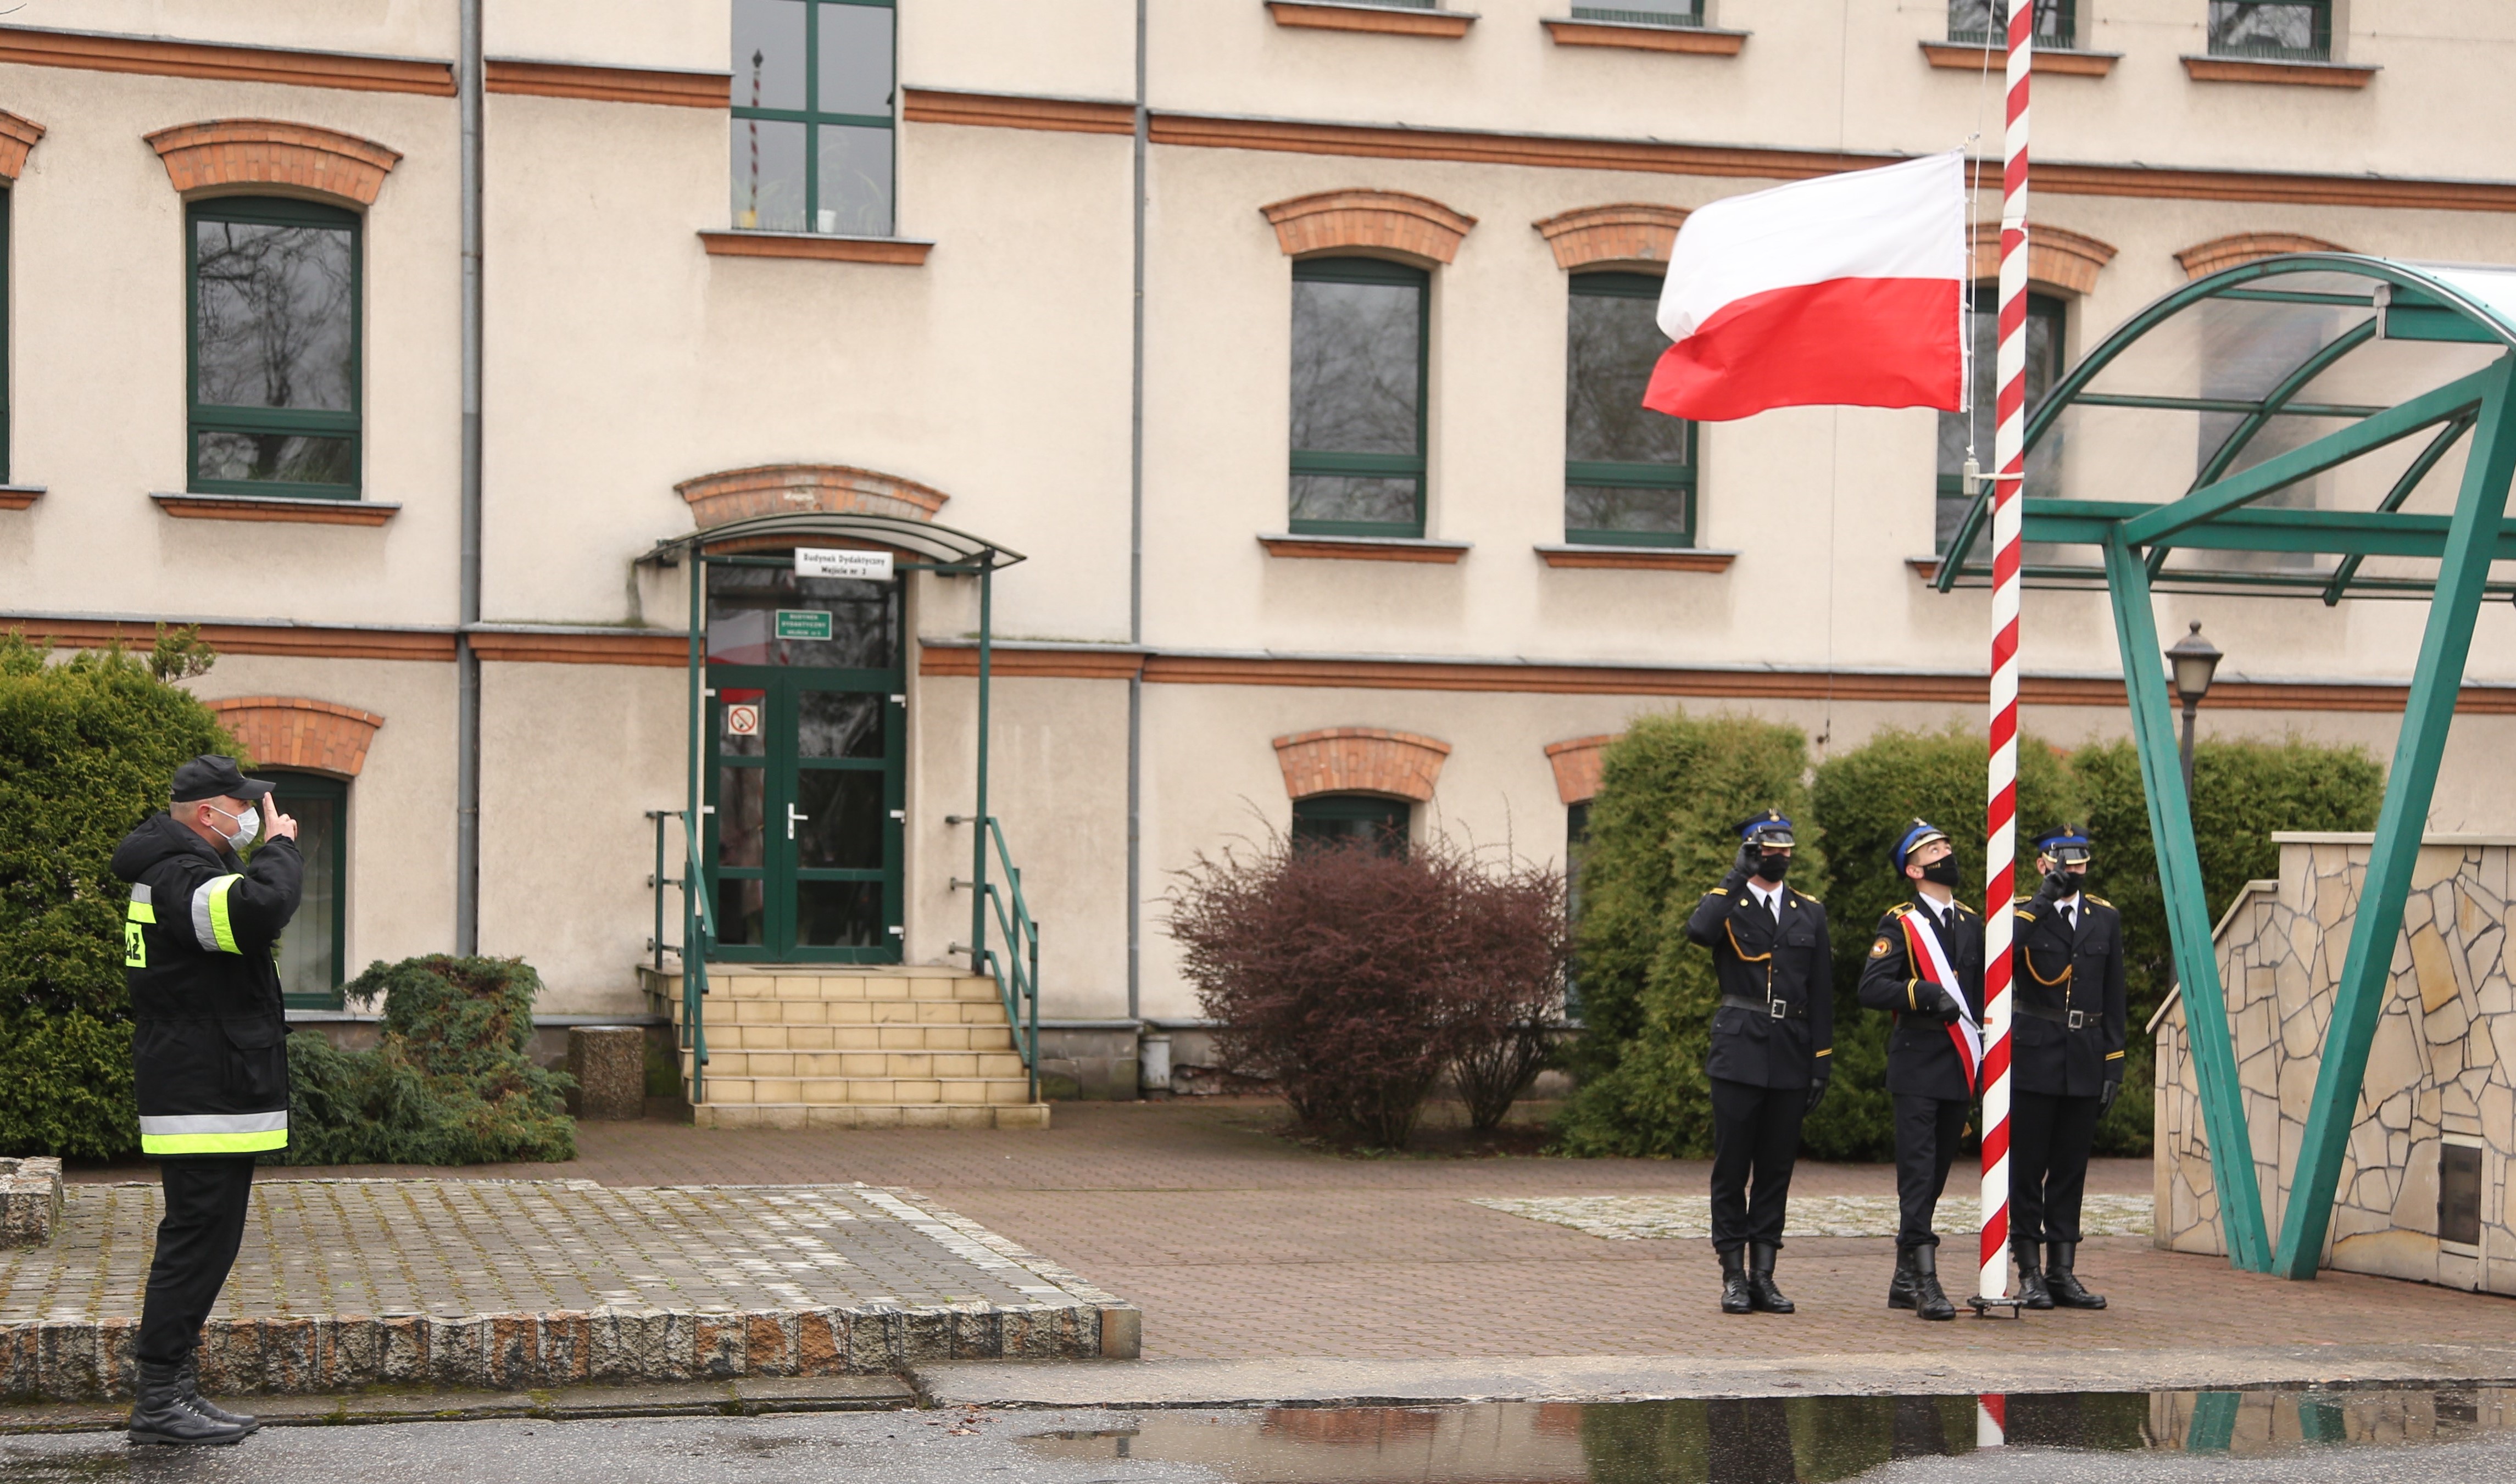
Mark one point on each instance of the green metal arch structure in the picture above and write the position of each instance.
(2344, 413)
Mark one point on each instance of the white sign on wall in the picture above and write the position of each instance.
(743, 719)
(826, 562)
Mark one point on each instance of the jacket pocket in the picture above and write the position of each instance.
(257, 1060)
(179, 1065)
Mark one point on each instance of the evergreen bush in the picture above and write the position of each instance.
(1663, 832)
(448, 1084)
(88, 749)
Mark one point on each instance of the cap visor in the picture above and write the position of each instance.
(253, 787)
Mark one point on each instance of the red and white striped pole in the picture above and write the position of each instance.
(2000, 846)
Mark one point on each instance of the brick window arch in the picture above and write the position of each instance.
(2203, 259)
(2067, 261)
(297, 732)
(1416, 228)
(786, 489)
(1629, 232)
(17, 137)
(270, 154)
(1575, 762)
(1361, 760)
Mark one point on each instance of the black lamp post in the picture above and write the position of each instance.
(2193, 659)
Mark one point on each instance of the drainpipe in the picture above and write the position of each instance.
(466, 662)
(1136, 564)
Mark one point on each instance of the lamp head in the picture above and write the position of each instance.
(2193, 659)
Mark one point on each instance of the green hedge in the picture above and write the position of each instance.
(87, 750)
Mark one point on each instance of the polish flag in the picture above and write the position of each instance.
(1842, 290)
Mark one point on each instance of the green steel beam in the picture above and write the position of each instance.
(2409, 785)
(2188, 921)
(2418, 471)
(2363, 533)
(2332, 449)
(2215, 1421)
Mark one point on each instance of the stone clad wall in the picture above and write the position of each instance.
(2438, 1070)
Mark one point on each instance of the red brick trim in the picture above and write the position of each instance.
(1656, 558)
(1575, 762)
(658, 651)
(1361, 760)
(1380, 19)
(609, 85)
(16, 497)
(2063, 260)
(285, 510)
(1965, 56)
(1006, 111)
(899, 252)
(2203, 259)
(1629, 232)
(18, 135)
(1412, 227)
(1702, 41)
(293, 731)
(1366, 549)
(2295, 74)
(157, 56)
(959, 659)
(268, 152)
(787, 490)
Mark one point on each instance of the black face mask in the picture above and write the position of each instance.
(1773, 868)
(1942, 872)
(2077, 880)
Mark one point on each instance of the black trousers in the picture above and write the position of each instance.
(2049, 1139)
(197, 1244)
(1928, 1131)
(1755, 1138)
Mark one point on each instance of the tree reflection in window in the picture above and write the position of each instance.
(275, 343)
(1357, 397)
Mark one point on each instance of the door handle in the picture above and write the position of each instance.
(791, 818)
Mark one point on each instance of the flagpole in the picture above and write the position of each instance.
(2001, 844)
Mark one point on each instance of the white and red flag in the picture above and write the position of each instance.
(1843, 291)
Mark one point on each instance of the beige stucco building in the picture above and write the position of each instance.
(1289, 343)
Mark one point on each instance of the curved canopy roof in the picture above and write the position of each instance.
(939, 543)
(2231, 372)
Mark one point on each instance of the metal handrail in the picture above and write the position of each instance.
(698, 927)
(1017, 968)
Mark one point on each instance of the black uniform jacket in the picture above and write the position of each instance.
(1921, 1059)
(209, 1044)
(2059, 972)
(1767, 964)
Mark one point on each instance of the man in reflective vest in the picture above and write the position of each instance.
(209, 1056)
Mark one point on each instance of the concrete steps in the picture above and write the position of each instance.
(853, 1047)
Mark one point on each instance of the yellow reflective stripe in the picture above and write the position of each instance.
(210, 925)
(142, 912)
(213, 1143)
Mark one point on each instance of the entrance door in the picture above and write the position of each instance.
(805, 772)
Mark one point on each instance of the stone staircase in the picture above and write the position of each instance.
(852, 1046)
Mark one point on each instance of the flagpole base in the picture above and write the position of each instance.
(1983, 1307)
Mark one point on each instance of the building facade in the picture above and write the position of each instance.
(1293, 345)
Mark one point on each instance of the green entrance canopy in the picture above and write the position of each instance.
(2314, 425)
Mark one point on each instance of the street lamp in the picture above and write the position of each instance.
(2193, 659)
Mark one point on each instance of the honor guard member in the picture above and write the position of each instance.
(210, 1059)
(1925, 970)
(1772, 1035)
(2066, 1062)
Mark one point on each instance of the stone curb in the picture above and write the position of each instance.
(30, 1201)
(743, 1398)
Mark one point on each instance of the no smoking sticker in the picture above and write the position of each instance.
(743, 720)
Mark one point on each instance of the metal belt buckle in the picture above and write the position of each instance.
(1781, 1009)
(2078, 1018)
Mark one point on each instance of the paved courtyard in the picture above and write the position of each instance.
(1238, 1245)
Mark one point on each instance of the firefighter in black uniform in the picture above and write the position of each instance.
(1772, 1035)
(2066, 1062)
(210, 1059)
(1930, 1061)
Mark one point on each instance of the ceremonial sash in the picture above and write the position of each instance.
(1923, 947)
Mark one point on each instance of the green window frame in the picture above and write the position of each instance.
(1985, 23)
(847, 157)
(5, 417)
(1334, 819)
(1680, 13)
(314, 950)
(1655, 481)
(2048, 317)
(1576, 845)
(2273, 30)
(269, 427)
(1379, 468)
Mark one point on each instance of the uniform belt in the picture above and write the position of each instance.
(1777, 1010)
(2073, 1019)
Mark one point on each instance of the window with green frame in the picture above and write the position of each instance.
(1336, 818)
(1576, 843)
(2277, 31)
(1983, 23)
(313, 951)
(1628, 472)
(275, 347)
(1360, 330)
(2045, 322)
(813, 89)
(4, 336)
(1688, 13)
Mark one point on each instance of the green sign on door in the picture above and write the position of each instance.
(802, 623)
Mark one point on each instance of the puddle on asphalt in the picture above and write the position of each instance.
(1768, 1440)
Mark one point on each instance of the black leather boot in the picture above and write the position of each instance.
(1760, 1280)
(159, 1414)
(1929, 1301)
(1899, 1288)
(2030, 1278)
(192, 1398)
(2064, 1283)
(1735, 1296)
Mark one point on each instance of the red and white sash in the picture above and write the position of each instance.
(1923, 947)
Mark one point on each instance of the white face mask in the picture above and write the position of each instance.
(247, 826)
